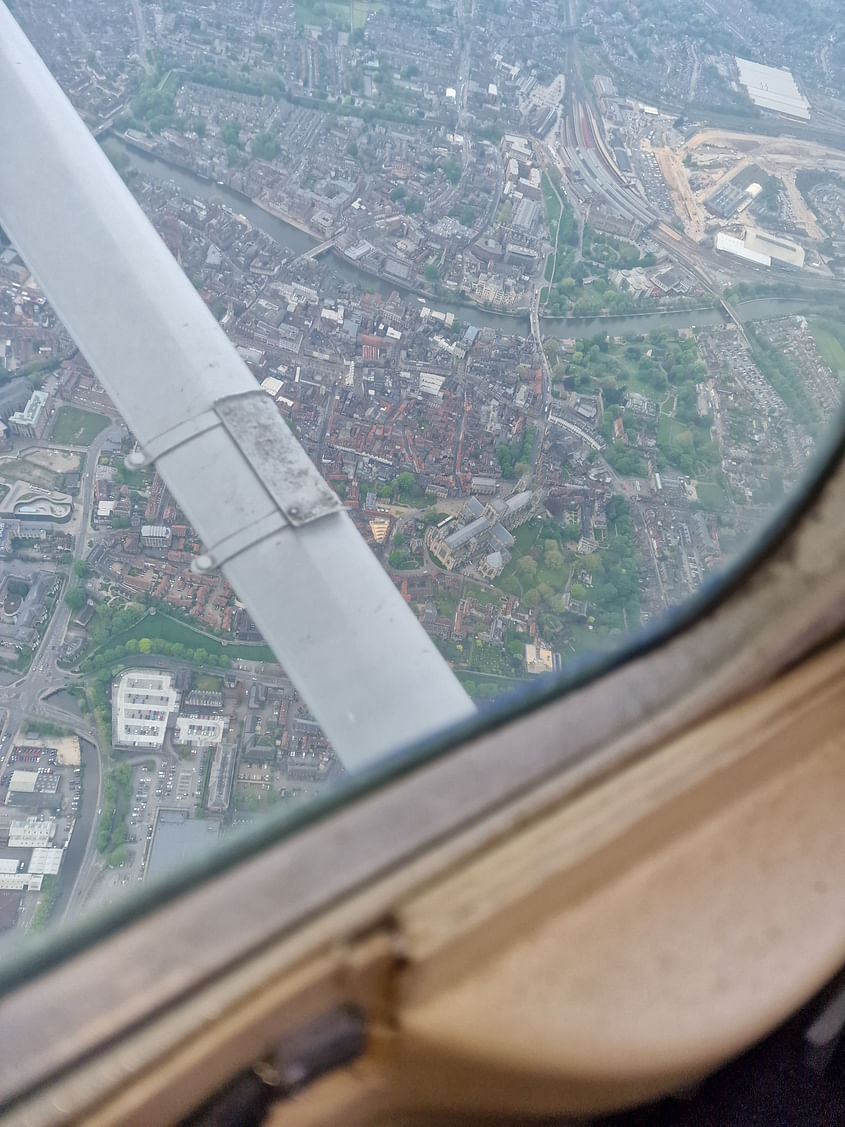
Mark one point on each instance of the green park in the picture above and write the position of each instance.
(75, 427)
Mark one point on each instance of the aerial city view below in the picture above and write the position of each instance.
(551, 293)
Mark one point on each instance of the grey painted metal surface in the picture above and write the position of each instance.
(367, 669)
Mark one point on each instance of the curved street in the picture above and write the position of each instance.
(25, 697)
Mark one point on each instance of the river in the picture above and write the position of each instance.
(756, 309)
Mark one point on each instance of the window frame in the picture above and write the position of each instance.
(344, 869)
(148, 974)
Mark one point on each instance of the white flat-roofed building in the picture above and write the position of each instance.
(9, 866)
(30, 833)
(23, 781)
(142, 702)
(21, 882)
(155, 536)
(772, 88)
(205, 731)
(272, 386)
(46, 859)
(730, 244)
(430, 383)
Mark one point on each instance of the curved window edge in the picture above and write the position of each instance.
(436, 811)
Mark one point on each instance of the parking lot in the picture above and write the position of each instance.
(159, 781)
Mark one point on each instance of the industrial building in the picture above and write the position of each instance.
(782, 251)
(762, 248)
(730, 244)
(727, 200)
(772, 88)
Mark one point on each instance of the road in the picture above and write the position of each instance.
(144, 49)
(25, 697)
(536, 333)
(44, 676)
(628, 490)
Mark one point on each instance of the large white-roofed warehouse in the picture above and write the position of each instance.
(774, 89)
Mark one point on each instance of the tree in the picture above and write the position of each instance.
(144, 645)
(75, 598)
(265, 146)
(230, 132)
(81, 568)
(452, 170)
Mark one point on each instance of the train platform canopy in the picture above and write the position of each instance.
(772, 88)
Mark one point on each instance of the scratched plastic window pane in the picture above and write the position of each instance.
(561, 351)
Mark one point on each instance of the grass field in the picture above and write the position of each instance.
(712, 497)
(632, 378)
(347, 14)
(831, 348)
(171, 630)
(15, 469)
(506, 684)
(75, 427)
(208, 683)
(669, 430)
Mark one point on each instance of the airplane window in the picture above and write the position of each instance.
(551, 296)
